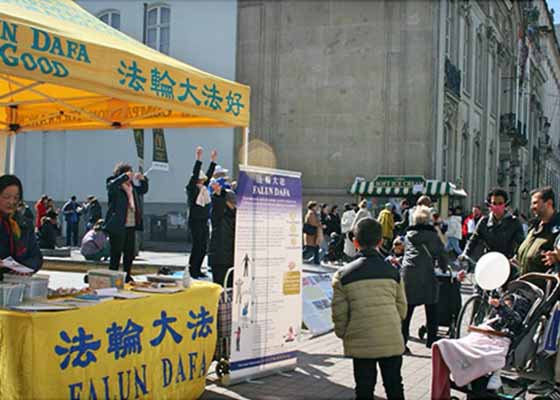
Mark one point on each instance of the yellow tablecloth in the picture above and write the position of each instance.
(158, 347)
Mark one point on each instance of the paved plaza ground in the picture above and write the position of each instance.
(322, 371)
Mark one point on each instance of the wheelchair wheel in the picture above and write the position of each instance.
(422, 332)
(222, 368)
(473, 312)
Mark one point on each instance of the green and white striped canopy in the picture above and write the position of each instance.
(432, 187)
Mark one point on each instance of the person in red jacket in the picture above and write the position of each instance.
(470, 222)
(41, 208)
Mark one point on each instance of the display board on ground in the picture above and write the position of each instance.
(317, 298)
(266, 319)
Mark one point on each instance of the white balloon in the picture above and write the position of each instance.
(492, 270)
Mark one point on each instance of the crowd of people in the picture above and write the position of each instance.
(376, 294)
(392, 258)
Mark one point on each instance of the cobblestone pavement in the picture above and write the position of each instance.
(324, 373)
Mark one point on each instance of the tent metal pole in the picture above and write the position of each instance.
(3, 150)
(12, 165)
(246, 145)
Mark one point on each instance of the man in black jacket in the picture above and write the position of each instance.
(92, 211)
(124, 216)
(198, 200)
(400, 226)
(499, 231)
(222, 240)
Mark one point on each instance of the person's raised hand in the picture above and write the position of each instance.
(550, 258)
(198, 153)
(139, 176)
(213, 155)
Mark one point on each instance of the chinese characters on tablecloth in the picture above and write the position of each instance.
(80, 349)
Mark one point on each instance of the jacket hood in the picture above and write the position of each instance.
(419, 234)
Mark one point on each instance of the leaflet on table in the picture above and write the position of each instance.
(43, 307)
(119, 294)
(12, 264)
(266, 305)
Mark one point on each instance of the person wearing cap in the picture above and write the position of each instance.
(387, 222)
(222, 240)
(199, 200)
(92, 211)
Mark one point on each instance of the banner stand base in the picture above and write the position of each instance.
(227, 381)
(254, 381)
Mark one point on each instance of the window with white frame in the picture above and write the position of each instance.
(111, 18)
(496, 79)
(157, 28)
(479, 73)
(451, 31)
(445, 152)
(467, 56)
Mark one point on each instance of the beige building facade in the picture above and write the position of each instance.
(462, 91)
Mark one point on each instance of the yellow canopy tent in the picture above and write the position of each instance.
(61, 68)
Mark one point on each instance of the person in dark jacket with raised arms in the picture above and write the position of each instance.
(199, 200)
(124, 216)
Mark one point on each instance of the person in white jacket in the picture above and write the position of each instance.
(454, 233)
(362, 213)
(345, 227)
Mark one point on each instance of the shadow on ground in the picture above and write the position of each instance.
(307, 381)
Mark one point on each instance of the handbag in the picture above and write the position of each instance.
(551, 336)
(309, 229)
(435, 263)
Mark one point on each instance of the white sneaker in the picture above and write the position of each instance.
(495, 381)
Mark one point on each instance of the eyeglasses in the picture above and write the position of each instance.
(8, 197)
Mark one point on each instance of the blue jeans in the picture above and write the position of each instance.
(72, 234)
(312, 250)
(453, 244)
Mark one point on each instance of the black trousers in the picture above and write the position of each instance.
(72, 234)
(199, 232)
(122, 243)
(219, 275)
(431, 322)
(365, 375)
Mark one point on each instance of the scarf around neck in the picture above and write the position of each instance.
(129, 190)
(12, 228)
(203, 198)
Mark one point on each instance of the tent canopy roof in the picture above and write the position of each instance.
(403, 186)
(62, 68)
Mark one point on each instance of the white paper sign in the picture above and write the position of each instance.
(12, 264)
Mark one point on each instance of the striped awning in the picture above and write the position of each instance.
(432, 187)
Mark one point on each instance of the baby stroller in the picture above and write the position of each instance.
(449, 303)
(335, 249)
(524, 365)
